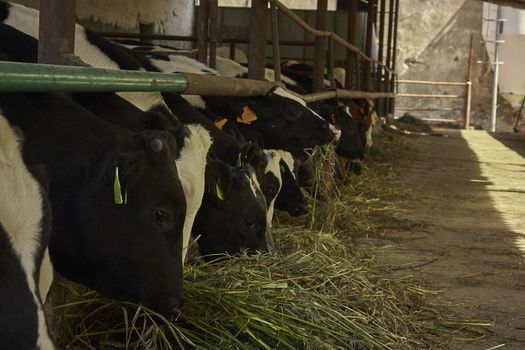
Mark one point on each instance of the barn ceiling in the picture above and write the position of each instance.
(520, 4)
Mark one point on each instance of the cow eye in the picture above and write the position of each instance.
(161, 216)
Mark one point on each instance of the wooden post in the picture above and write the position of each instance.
(351, 58)
(56, 36)
(202, 31)
(320, 47)
(394, 57)
(275, 43)
(368, 47)
(257, 46)
(213, 10)
(468, 98)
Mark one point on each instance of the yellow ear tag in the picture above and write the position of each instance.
(117, 191)
(220, 123)
(248, 116)
(219, 190)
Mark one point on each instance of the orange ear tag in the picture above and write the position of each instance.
(248, 116)
(220, 123)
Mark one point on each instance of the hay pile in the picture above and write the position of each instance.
(316, 292)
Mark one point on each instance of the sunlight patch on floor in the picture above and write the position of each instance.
(505, 173)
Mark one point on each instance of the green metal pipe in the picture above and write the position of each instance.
(31, 77)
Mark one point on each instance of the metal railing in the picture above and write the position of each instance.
(32, 77)
(467, 97)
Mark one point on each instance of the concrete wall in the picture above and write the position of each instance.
(433, 44)
(168, 16)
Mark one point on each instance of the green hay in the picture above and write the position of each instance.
(318, 291)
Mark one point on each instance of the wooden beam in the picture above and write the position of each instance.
(351, 36)
(202, 31)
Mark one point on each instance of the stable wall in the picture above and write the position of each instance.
(433, 44)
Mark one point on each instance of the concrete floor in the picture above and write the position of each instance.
(469, 187)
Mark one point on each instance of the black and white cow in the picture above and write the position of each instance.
(193, 139)
(25, 227)
(291, 198)
(282, 118)
(118, 205)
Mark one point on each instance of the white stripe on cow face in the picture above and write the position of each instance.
(21, 216)
(289, 160)
(190, 167)
(287, 94)
(274, 158)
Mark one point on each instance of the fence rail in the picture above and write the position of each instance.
(467, 97)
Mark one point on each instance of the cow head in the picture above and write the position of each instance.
(232, 216)
(291, 198)
(130, 216)
(350, 144)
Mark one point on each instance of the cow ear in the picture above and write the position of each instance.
(253, 155)
(218, 180)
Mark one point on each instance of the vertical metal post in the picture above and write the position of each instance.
(232, 50)
(146, 28)
(213, 10)
(368, 46)
(389, 77)
(351, 58)
(56, 36)
(320, 47)
(394, 58)
(275, 43)
(330, 56)
(257, 47)
(202, 31)
(496, 74)
(381, 102)
(468, 97)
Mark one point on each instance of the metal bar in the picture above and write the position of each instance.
(381, 45)
(430, 109)
(257, 46)
(275, 43)
(351, 37)
(56, 31)
(330, 58)
(394, 56)
(389, 77)
(468, 99)
(425, 82)
(232, 50)
(213, 10)
(431, 96)
(519, 116)
(320, 47)
(202, 32)
(194, 38)
(146, 28)
(321, 33)
(203, 84)
(368, 43)
(342, 93)
(496, 76)
(30, 77)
